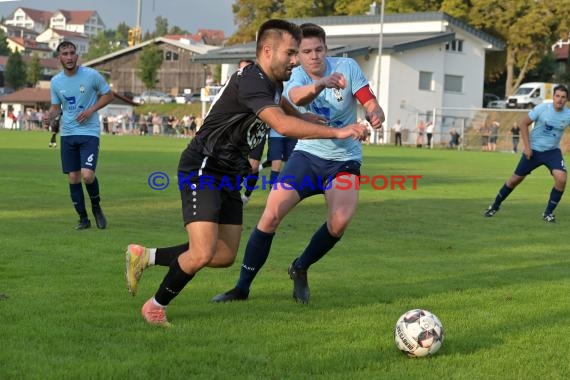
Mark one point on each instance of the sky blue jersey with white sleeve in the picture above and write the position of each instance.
(549, 126)
(337, 106)
(75, 94)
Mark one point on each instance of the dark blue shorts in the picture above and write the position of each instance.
(280, 148)
(552, 159)
(310, 175)
(79, 152)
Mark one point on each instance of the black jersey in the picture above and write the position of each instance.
(231, 128)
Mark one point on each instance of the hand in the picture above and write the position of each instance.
(356, 131)
(83, 116)
(335, 80)
(376, 119)
(527, 153)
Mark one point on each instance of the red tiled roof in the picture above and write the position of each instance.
(38, 15)
(77, 17)
(30, 44)
(50, 63)
(27, 95)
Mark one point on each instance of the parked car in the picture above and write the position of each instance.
(501, 103)
(183, 98)
(153, 96)
(489, 98)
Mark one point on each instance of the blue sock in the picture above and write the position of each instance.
(502, 195)
(93, 191)
(321, 242)
(78, 199)
(555, 196)
(256, 253)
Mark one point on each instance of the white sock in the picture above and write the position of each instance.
(157, 304)
(151, 256)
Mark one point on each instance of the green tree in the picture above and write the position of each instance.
(101, 45)
(34, 70)
(177, 30)
(529, 28)
(250, 14)
(161, 25)
(15, 71)
(122, 32)
(4, 49)
(148, 65)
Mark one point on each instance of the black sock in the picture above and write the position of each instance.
(502, 195)
(321, 242)
(256, 253)
(78, 199)
(52, 140)
(164, 256)
(555, 196)
(172, 284)
(250, 184)
(93, 191)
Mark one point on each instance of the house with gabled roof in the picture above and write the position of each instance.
(84, 22)
(29, 18)
(18, 31)
(177, 72)
(52, 37)
(28, 47)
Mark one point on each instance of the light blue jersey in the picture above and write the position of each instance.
(75, 94)
(337, 106)
(549, 126)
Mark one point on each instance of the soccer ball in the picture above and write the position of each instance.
(418, 333)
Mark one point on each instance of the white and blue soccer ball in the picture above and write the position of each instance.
(418, 333)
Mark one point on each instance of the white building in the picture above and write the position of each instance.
(84, 22)
(53, 37)
(429, 61)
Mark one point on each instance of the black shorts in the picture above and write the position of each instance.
(211, 197)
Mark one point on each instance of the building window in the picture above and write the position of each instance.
(453, 83)
(171, 56)
(455, 45)
(426, 81)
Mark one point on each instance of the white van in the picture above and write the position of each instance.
(531, 94)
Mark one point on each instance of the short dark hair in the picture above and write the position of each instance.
(276, 28)
(64, 44)
(245, 62)
(313, 30)
(561, 87)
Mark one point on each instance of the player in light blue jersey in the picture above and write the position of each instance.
(78, 93)
(331, 88)
(541, 147)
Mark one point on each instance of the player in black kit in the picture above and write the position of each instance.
(212, 209)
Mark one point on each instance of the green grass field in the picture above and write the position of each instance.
(499, 285)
